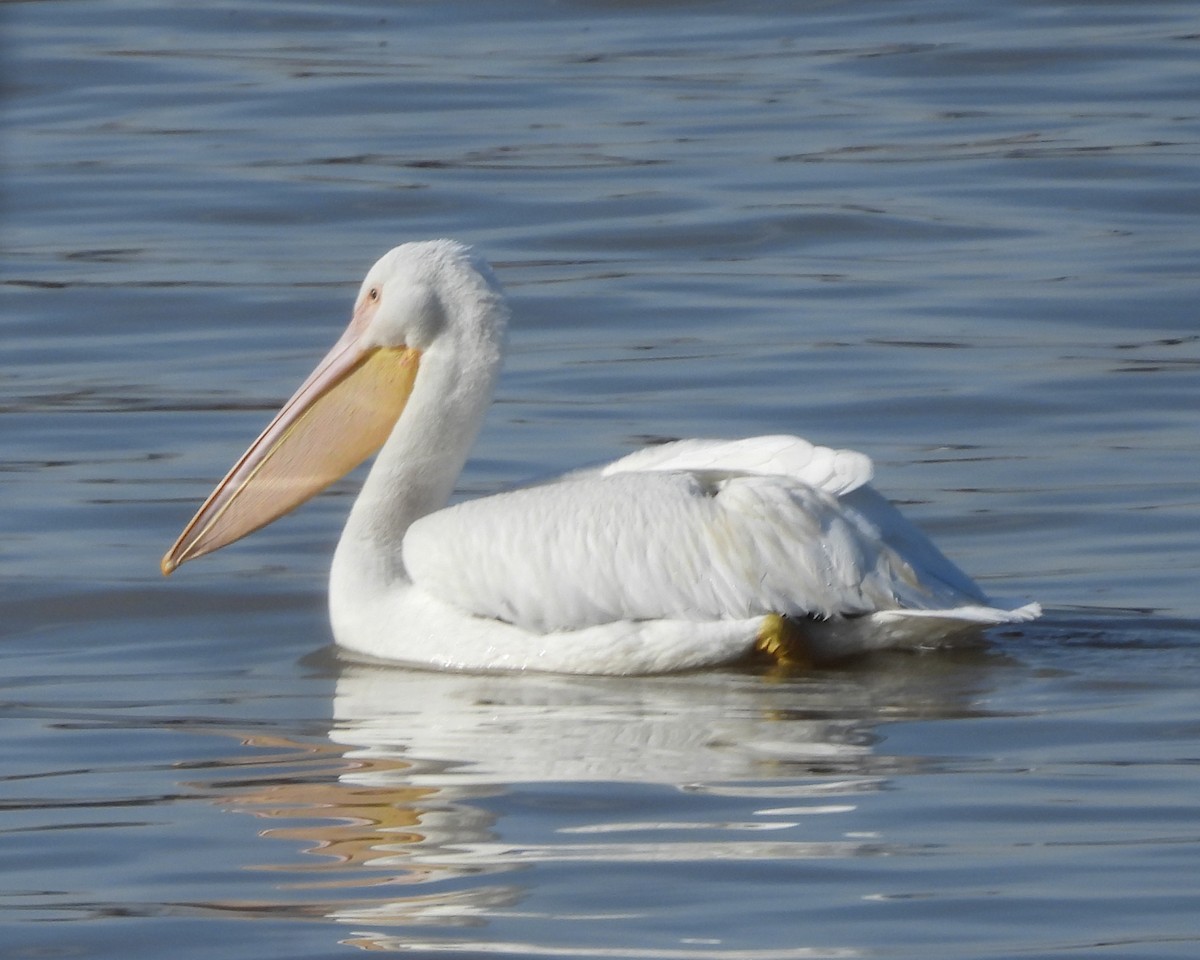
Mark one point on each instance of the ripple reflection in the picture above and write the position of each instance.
(508, 804)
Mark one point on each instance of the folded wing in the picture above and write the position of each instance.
(695, 530)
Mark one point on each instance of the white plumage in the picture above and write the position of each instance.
(676, 556)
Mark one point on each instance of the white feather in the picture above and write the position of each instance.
(834, 471)
(682, 544)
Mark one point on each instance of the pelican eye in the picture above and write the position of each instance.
(373, 294)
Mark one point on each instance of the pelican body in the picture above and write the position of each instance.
(684, 555)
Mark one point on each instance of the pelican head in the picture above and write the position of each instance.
(430, 305)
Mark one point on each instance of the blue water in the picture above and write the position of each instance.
(960, 238)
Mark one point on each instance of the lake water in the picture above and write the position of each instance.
(962, 238)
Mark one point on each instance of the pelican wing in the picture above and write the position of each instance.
(671, 543)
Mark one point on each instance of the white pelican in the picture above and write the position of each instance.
(683, 555)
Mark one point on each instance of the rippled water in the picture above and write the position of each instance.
(961, 238)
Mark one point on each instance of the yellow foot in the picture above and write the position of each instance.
(783, 640)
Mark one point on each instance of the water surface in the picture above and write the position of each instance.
(960, 239)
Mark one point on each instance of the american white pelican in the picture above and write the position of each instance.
(683, 555)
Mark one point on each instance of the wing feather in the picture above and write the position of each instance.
(695, 530)
(834, 471)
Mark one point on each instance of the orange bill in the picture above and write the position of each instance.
(341, 415)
